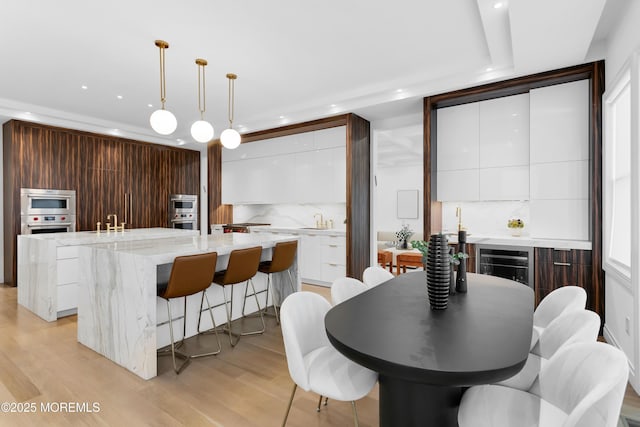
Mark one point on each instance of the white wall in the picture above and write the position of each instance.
(622, 311)
(389, 181)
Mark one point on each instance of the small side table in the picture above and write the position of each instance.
(384, 258)
(407, 259)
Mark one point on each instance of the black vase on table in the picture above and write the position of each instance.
(438, 272)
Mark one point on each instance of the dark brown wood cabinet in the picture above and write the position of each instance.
(555, 268)
(111, 175)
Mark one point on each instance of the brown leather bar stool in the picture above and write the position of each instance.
(242, 266)
(281, 260)
(189, 275)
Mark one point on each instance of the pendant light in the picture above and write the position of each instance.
(201, 130)
(230, 138)
(163, 121)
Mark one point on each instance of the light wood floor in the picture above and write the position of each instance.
(249, 385)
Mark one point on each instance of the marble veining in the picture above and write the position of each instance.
(39, 269)
(291, 215)
(117, 304)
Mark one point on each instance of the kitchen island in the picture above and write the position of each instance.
(49, 269)
(118, 309)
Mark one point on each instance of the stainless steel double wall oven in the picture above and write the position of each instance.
(183, 211)
(47, 211)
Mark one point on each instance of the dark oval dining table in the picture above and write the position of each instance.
(425, 358)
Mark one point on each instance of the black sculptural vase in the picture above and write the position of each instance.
(438, 272)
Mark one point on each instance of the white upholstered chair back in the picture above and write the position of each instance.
(559, 301)
(375, 275)
(344, 288)
(302, 320)
(572, 327)
(587, 381)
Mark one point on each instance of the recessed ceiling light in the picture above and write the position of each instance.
(119, 96)
(398, 90)
(150, 105)
(489, 69)
(282, 117)
(28, 113)
(180, 141)
(498, 5)
(84, 87)
(333, 105)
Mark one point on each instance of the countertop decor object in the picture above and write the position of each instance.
(515, 225)
(461, 277)
(438, 271)
(403, 236)
(482, 338)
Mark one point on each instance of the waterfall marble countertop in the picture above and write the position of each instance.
(82, 238)
(117, 302)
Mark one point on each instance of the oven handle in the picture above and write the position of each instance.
(59, 224)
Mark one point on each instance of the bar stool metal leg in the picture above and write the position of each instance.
(214, 329)
(174, 352)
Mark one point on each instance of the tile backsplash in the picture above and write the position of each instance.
(291, 215)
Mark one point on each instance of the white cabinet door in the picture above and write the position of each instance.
(504, 183)
(330, 138)
(458, 140)
(277, 174)
(456, 186)
(504, 131)
(562, 180)
(560, 122)
(311, 254)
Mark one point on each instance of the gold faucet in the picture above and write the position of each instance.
(459, 216)
(319, 224)
(115, 221)
(98, 227)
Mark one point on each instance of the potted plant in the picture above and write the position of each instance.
(515, 225)
(403, 236)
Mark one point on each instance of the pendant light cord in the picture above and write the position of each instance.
(163, 87)
(202, 101)
(232, 78)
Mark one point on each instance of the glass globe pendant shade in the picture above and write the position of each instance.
(202, 131)
(163, 122)
(230, 138)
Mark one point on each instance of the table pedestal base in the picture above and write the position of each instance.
(407, 404)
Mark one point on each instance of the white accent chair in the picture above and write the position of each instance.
(582, 385)
(569, 328)
(344, 288)
(375, 275)
(314, 364)
(557, 302)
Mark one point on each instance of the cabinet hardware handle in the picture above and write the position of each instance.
(565, 264)
(333, 246)
(332, 264)
(562, 249)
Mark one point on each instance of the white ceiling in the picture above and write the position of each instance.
(295, 60)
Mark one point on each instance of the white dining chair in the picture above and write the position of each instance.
(582, 385)
(375, 275)
(314, 364)
(567, 329)
(557, 302)
(344, 288)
